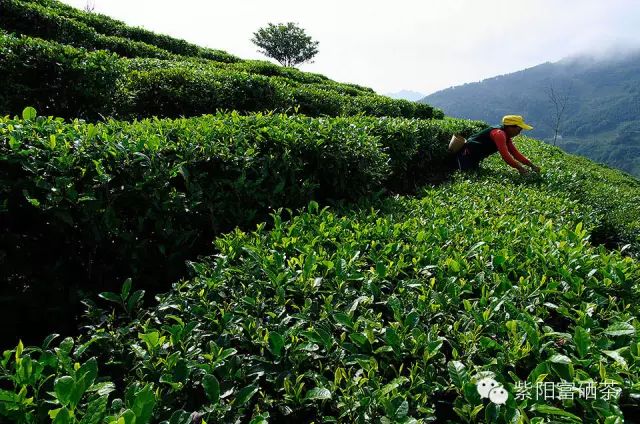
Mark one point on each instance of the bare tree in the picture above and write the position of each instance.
(90, 6)
(559, 101)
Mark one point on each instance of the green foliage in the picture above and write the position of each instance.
(57, 79)
(64, 81)
(173, 92)
(74, 392)
(380, 312)
(612, 194)
(287, 43)
(53, 20)
(94, 204)
(166, 78)
(262, 67)
(321, 300)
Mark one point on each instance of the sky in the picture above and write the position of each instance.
(419, 45)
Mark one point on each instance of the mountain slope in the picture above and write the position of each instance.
(601, 120)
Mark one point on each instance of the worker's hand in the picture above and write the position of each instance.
(534, 168)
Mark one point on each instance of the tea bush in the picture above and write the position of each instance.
(263, 67)
(71, 83)
(34, 20)
(375, 308)
(614, 195)
(56, 21)
(389, 312)
(173, 92)
(58, 79)
(86, 205)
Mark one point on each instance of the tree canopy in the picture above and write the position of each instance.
(286, 43)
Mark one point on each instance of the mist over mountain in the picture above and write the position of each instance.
(406, 95)
(601, 93)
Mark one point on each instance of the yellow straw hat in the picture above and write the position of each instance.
(516, 120)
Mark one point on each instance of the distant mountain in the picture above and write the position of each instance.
(406, 95)
(602, 115)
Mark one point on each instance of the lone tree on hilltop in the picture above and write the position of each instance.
(286, 43)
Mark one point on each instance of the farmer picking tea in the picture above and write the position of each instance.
(495, 139)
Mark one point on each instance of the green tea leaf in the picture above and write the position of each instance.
(245, 394)
(134, 300)
(211, 388)
(582, 341)
(395, 383)
(143, 405)
(276, 343)
(318, 393)
(359, 338)
(615, 355)
(458, 373)
(392, 337)
(126, 288)
(19, 350)
(103, 389)
(110, 296)
(63, 387)
(325, 337)
(620, 329)
(14, 143)
(29, 113)
(95, 411)
(343, 319)
(313, 207)
(402, 410)
(61, 416)
(560, 359)
(261, 419)
(88, 372)
(227, 353)
(552, 410)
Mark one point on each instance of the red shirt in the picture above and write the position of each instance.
(507, 149)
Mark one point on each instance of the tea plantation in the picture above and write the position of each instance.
(188, 237)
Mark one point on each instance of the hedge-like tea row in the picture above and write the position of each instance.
(63, 24)
(73, 83)
(88, 205)
(56, 21)
(58, 79)
(390, 313)
(278, 75)
(35, 20)
(613, 195)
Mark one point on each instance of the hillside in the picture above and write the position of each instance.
(189, 237)
(602, 108)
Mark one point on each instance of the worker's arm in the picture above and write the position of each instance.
(522, 158)
(500, 138)
(516, 153)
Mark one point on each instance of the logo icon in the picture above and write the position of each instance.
(498, 395)
(490, 388)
